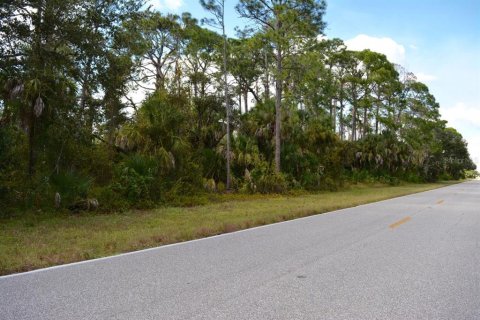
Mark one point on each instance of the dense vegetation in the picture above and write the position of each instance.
(279, 107)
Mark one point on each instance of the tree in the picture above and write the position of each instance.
(70, 121)
(56, 49)
(246, 66)
(287, 24)
(217, 8)
(160, 36)
(456, 158)
(199, 56)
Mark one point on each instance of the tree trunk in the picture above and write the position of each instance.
(240, 102)
(365, 121)
(245, 99)
(160, 75)
(225, 84)
(38, 59)
(340, 120)
(330, 111)
(266, 83)
(31, 145)
(354, 120)
(342, 133)
(278, 107)
(334, 118)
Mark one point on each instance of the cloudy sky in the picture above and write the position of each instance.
(438, 40)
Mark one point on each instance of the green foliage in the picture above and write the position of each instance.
(471, 174)
(264, 179)
(71, 186)
(135, 178)
(221, 187)
(110, 199)
(68, 125)
(12, 177)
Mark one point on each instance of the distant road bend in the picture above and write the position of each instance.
(414, 257)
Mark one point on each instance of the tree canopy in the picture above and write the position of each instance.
(279, 107)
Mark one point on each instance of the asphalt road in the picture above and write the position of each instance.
(414, 257)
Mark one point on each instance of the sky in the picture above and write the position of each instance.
(437, 40)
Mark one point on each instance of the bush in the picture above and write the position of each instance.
(12, 166)
(134, 178)
(264, 179)
(272, 183)
(471, 174)
(71, 186)
(387, 179)
(362, 176)
(330, 184)
(445, 177)
(209, 185)
(109, 199)
(412, 177)
(221, 187)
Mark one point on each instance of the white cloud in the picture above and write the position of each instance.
(322, 37)
(461, 114)
(394, 51)
(474, 149)
(466, 119)
(425, 77)
(167, 4)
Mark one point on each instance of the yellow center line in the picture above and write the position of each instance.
(440, 202)
(400, 222)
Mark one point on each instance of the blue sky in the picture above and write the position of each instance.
(438, 40)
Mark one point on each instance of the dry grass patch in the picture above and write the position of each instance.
(32, 241)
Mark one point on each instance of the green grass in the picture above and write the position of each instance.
(35, 240)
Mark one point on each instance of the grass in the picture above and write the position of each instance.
(36, 240)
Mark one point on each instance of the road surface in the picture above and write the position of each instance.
(414, 257)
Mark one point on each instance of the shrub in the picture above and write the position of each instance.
(445, 177)
(221, 187)
(330, 184)
(134, 178)
(109, 199)
(272, 183)
(12, 167)
(209, 185)
(471, 174)
(412, 177)
(71, 186)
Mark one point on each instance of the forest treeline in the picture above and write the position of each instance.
(278, 107)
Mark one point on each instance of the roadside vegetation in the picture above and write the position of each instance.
(33, 240)
(114, 117)
(276, 108)
(472, 174)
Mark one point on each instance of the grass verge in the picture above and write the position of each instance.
(36, 240)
